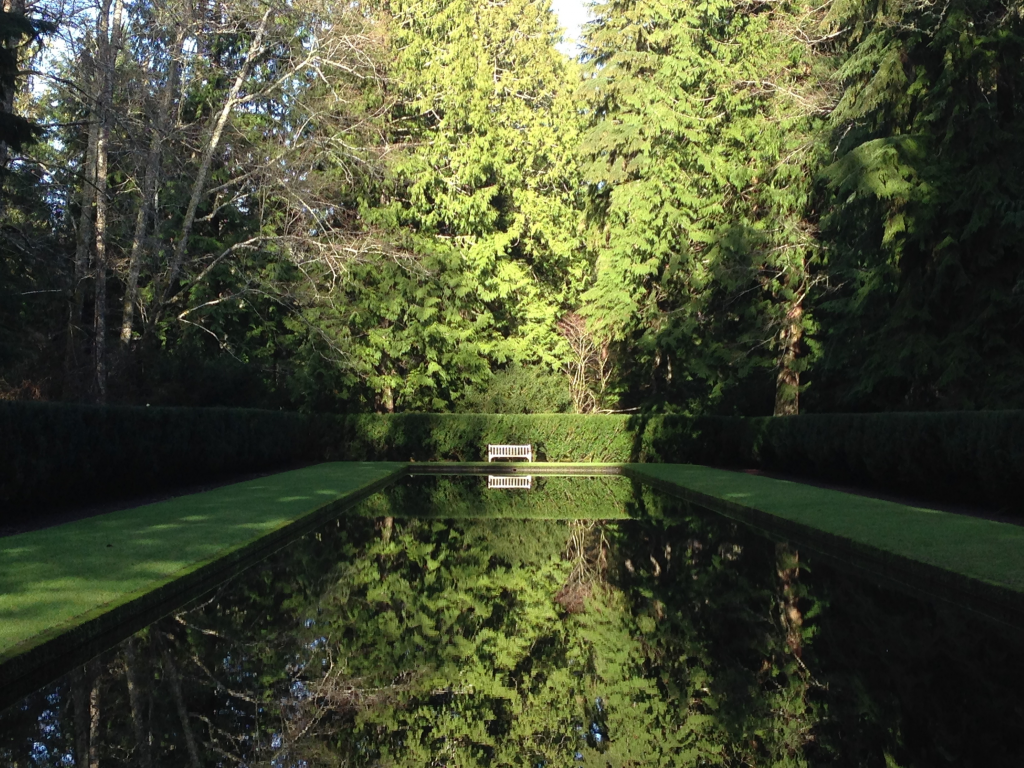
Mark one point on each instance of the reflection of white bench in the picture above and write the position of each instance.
(509, 452)
(510, 481)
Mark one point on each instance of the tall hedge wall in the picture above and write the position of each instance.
(51, 452)
(464, 437)
(973, 456)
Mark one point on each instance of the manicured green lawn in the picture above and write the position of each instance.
(53, 579)
(980, 549)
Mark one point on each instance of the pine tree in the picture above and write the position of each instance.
(924, 217)
(488, 167)
(702, 117)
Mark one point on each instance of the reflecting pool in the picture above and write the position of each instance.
(578, 622)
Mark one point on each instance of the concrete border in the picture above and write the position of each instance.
(27, 666)
(996, 601)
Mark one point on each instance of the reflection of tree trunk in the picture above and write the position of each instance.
(787, 563)
(94, 715)
(135, 693)
(174, 680)
(161, 125)
(587, 549)
(80, 698)
(385, 530)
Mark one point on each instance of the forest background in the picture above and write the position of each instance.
(718, 207)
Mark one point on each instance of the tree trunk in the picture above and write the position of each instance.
(107, 40)
(15, 8)
(199, 184)
(136, 691)
(161, 126)
(85, 237)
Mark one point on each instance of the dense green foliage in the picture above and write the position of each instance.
(718, 209)
(459, 497)
(292, 214)
(828, 192)
(464, 437)
(923, 209)
(699, 177)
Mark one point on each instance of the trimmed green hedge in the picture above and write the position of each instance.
(975, 456)
(465, 437)
(60, 452)
(972, 456)
(56, 452)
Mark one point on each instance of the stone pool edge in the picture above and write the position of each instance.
(23, 667)
(870, 559)
(1000, 601)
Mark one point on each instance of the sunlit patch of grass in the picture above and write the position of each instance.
(50, 577)
(970, 546)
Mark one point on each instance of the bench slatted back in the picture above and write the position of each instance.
(510, 452)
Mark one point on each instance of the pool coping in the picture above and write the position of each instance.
(23, 666)
(1001, 602)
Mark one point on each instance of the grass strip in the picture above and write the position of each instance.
(970, 554)
(54, 581)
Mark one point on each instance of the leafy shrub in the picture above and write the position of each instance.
(521, 389)
(464, 437)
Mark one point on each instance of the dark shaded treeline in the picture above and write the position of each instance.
(722, 208)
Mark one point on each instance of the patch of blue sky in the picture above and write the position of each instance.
(572, 15)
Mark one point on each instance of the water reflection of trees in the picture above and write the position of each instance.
(682, 640)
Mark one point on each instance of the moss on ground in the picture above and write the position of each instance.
(53, 579)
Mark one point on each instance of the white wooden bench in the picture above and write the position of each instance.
(524, 482)
(509, 452)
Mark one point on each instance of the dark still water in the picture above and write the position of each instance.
(530, 628)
